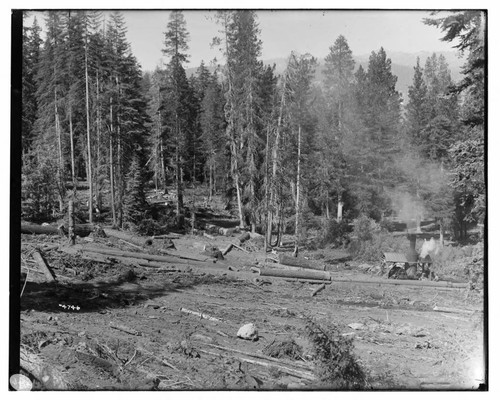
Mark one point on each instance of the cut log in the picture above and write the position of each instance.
(241, 248)
(43, 267)
(138, 241)
(299, 262)
(301, 274)
(318, 289)
(180, 258)
(314, 281)
(80, 230)
(227, 249)
(127, 258)
(299, 374)
(170, 235)
(199, 314)
(452, 310)
(215, 229)
(48, 376)
(263, 357)
(441, 284)
(125, 329)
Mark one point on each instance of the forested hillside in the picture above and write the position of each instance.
(323, 140)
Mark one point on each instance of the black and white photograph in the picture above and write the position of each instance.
(248, 200)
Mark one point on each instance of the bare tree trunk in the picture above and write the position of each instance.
(98, 161)
(273, 195)
(297, 203)
(340, 204)
(163, 169)
(72, 143)
(111, 162)
(89, 155)
(178, 183)
(441, 233)
(60, 169)
(119, 158)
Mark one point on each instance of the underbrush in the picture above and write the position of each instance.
(336, 365)
(464, 263)
(369, 241)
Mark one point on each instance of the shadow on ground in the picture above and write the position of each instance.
(126, 289)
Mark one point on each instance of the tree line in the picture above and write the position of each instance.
(285, 148)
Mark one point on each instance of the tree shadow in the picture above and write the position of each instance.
(128, 289)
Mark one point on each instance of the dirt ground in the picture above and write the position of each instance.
(126, 330)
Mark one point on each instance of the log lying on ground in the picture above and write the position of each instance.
(170, 235)
(317, 290)
(297, 273)
(227, 249)
(43, 267)
(293, 372)
(299, 262)
(210, 228)
(134, 262)
(173, 259)
(441, 284)
(138, 241)
(313, 281)
(81, 230)
(48, 376)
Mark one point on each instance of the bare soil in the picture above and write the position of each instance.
(399, 339)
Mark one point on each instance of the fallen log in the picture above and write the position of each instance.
(199, 314)
(138, 241)
(453, 310)
(263, 357)
(48, 376)
(301, 274)
(43, 267)
(440, 284)
(125, 329)
(171, 258)
(170, 235)
(216, 229)
(133, 262)
(227, 249)
(81, 230)
(241, 248)
(319, 281)
(299, 374)
(299, 262)
(318, 289)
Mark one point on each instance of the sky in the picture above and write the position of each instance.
(283, 31)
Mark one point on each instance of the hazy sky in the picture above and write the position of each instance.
(283, 31)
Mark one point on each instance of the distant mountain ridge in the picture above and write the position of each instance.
(402, 66)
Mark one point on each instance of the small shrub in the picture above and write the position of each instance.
(336, 233)
(365, 228)
(284, 349)
(336, 365)
(149, 227)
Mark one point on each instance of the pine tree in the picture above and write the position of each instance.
(49, 139)
(213, 127)
(339, 66)
(178, 102)
(416, 109)
(31, 55)
(377, 140)
(134, 200)
(468, 27)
